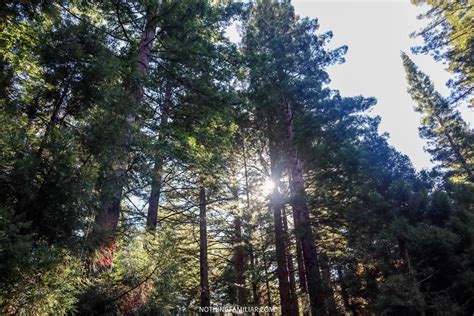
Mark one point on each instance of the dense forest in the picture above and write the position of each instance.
(151, 166)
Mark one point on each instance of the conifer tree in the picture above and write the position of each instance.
(449, 139)
(114, 176)
(449, 37)
(286, 75)
(210, 175)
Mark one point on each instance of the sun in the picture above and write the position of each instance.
(267, 186)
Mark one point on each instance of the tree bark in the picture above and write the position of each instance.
(253, 259)
(203, 260)
(250, 248)
(107, 218)
(154, 199)
(267, 281)
(240, 263)
(305, 304)
(253, 263)
(276, 205)
(282, 266)
(291, 269)
(298, 201)
(300, 260)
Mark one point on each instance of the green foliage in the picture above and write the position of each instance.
(396, 241)
(143, 279)
(449, 138)
(449, 37)
(36, 278)
(398, 295)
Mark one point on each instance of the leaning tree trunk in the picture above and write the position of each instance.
(455, 148)
(299, 203)
(154, 199)
(113, 181)
(203, 261)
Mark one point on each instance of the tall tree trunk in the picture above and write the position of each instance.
(344, 295)
(276, 205)
(253, 259)
(267, 281)
(300, 207)
(282, 266)
(329, 293)
(305, 304)
(240, 263)
(154, 199)
(114, 180)
(253, 263)
(300, 260)
(203, 261)
(291, 268)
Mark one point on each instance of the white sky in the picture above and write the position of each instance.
(376, 32)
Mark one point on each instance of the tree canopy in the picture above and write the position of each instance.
(152, 166)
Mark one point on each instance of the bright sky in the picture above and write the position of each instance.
(376, 32)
